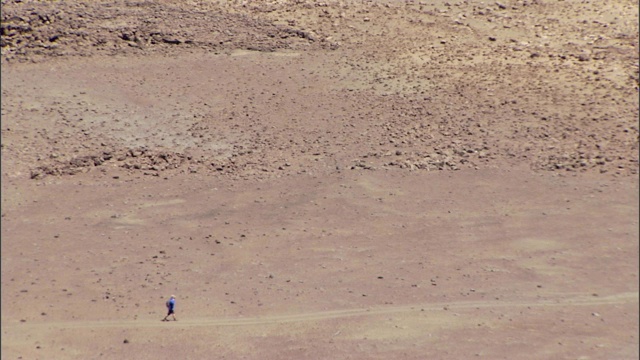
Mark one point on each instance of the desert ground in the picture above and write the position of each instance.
(320, 180)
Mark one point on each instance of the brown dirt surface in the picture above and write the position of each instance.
(320, 180)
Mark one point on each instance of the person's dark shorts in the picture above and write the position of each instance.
(171, 312)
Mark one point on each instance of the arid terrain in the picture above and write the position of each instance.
(320, 180)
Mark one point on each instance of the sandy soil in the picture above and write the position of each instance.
(337, 180)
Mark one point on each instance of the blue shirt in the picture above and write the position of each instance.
(171, 304)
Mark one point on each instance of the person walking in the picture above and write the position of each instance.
(171, 307)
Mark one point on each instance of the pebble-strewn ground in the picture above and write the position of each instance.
(339, 179)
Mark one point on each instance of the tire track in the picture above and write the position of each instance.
(581, 300)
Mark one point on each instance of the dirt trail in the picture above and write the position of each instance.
(561, 301)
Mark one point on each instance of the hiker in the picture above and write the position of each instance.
(171, 306)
